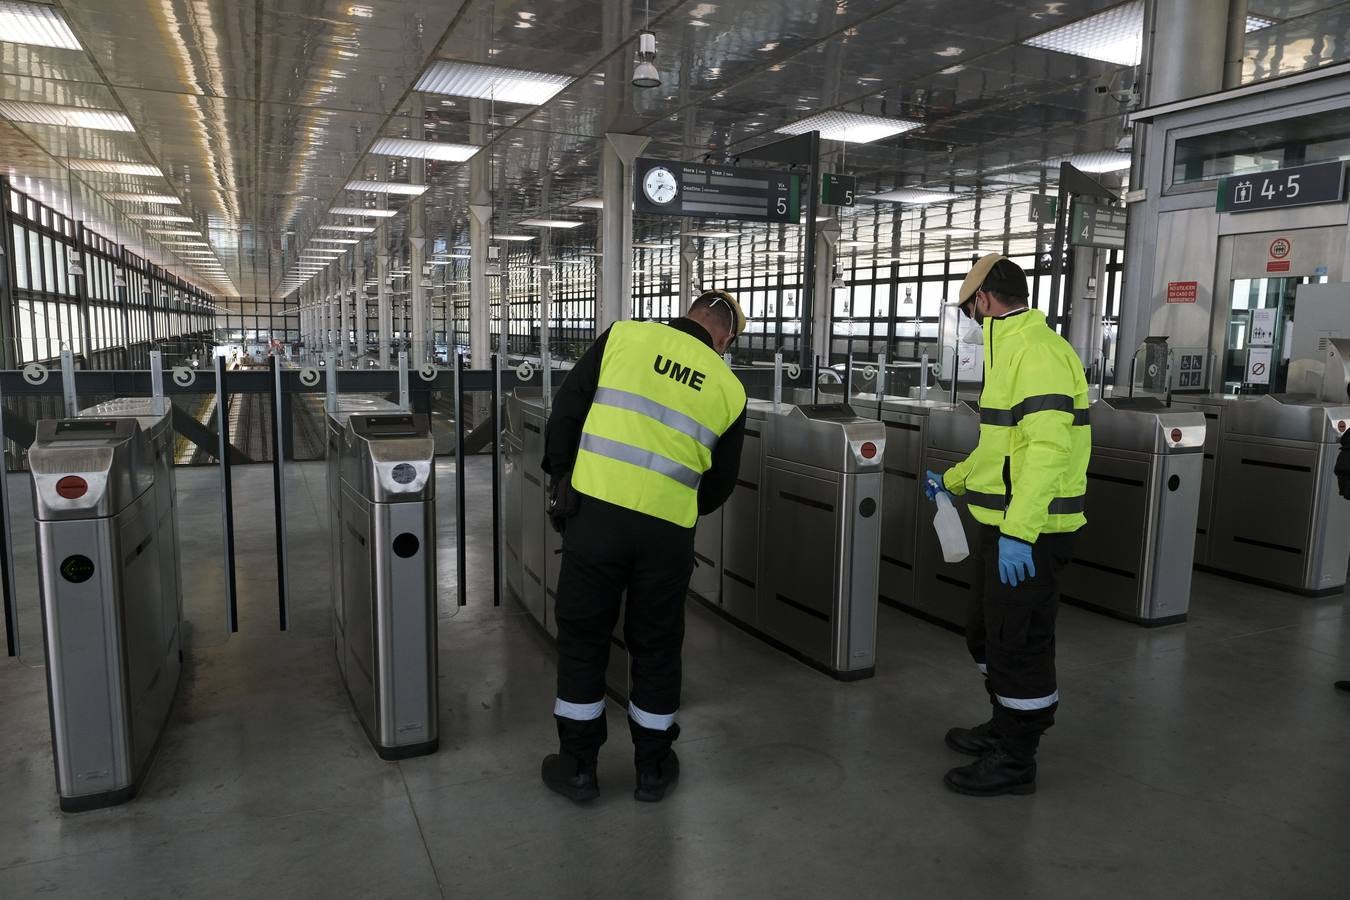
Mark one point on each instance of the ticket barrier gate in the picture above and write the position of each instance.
(906, 509)
(1278, 518)
(533, 550)
(385, 611)
(1133, 559)
(111, 591)
(821, 536)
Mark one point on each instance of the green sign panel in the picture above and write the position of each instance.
(838, 190)
(1098, 226)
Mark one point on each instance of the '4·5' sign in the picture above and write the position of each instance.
(1297, 186)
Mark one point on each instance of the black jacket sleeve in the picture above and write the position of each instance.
(568, 413)
(720, 480)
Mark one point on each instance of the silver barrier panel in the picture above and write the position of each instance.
(111, 593)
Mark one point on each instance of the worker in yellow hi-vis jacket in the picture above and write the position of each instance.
(643, 438)
(1025, 484)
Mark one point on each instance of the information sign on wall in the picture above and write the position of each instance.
(1263, 327)
(1295, 186)
(697, 191)
(1182, 291)
(1258, 365)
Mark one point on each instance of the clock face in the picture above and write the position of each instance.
(660, 185)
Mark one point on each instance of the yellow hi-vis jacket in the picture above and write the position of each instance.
(1028, 475)
(663, 400)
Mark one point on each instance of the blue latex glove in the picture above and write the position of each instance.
(1014, 561)
(932, 485)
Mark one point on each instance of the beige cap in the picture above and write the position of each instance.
(977, 276)
(999, 273)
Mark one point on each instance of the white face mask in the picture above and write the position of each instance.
(970, 332)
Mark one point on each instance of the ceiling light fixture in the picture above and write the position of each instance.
(1094, 163)
(36, 25)
(850, 127)
(361, 211)
(515, 237)
(711, 234)
(403, 147)
(335, 241)
(645, 74)
(912, 196)
(65, 116)
(550, 223)
(588, 203)
(458, 79)
(183, 232)
(162, 199)
(158, 217)
(1114, 35)
(351, 229)
(112, 167)
(387, 187)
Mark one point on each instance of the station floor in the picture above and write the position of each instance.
(1201, 760)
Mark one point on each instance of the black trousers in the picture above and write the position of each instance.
(1011, 634)
(609, 551)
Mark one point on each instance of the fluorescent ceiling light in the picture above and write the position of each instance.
(184, 232)
(1094, 163)
(855, 128)
(361, 211)
(351, 229)
(387, 187)
(158, 217)
(588, 203)
(65, 116)
(914, 196)
(457, 79)
(550, 223)
(710, 233)
(37, 25)
(335, 241)
(186, 244)
(113, 167)
(1114, 35)
(423, 149)
(515, 237)
(162, 199)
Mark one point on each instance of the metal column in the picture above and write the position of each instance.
(360, 285)
(614, 302)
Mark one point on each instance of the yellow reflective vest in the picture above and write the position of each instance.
(1028, 475)
(663, 400)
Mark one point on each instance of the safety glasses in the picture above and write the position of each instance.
(725, 300)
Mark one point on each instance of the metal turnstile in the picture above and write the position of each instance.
(740, 521)
(1278, 518)
(1133, 559)
(821, 536)
(385, 597)
(906, 510)
(107, 542)
(942, 590)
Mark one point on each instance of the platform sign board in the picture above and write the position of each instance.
(1042, 208)
(1258, 365)
(1098, 226)
(1297, 186)
(699, 191)
(838, 190)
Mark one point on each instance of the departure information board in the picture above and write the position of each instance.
(1296, 186)
(699, 191)
(1098, 226)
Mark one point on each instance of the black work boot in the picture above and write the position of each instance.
(572, 770)
(653, 781)
(658, 768)
(569, 776)
(977, 741)
(994, 773)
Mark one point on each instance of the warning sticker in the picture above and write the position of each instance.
(1182, 291)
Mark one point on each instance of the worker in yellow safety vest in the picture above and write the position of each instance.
(1024, 485)
(644, 437)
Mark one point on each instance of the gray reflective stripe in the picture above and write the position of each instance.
(643, 459)
(1031, 405)
(652, 721)
(988, 501)
(1060, 506)
(1034, 703)
(671, 418)
(578, 712)
(1067, 506)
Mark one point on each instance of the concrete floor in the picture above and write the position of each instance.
(1207, 759)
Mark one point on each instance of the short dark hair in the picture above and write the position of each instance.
(723, 312)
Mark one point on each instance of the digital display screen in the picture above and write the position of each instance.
(829, 412)
(86, 426)
(390, 425)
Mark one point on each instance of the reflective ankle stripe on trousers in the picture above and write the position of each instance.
(579, 712)
(1033, 703)
(654, 721)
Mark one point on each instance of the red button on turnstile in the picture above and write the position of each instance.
(72, 487)
(1176, 435)
(868, 450)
